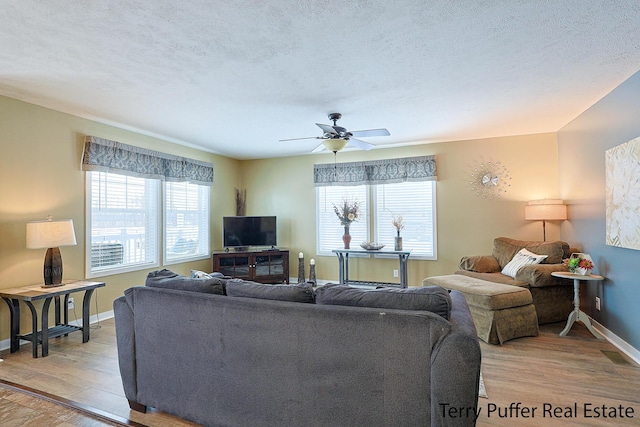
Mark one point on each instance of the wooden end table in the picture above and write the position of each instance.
(28, 294)
(577, 314)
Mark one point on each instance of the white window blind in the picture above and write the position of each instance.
(122, 223)
(415, 202)
(186, 221)
(329, 230)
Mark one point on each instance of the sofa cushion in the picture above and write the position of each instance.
(480, 263)
(302, 292)
(521, 259)
(429, 298)
(504, 249)
(494, 277)
(169, 280)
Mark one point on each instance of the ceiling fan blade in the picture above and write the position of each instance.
(327, 129)
(370, 132)
(360, 144)
(297, 139)
(318, 149)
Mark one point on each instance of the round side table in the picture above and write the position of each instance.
(577, 314)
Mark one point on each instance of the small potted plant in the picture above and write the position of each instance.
(398, 223)
(579, 264)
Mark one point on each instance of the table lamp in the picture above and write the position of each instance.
(545, 210)
(51, 234)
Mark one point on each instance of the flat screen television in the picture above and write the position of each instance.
(243, 231)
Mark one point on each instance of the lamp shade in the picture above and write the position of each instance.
(50, 234)
(334, 144)
(545, 210)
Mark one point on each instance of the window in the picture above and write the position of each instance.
(329, 229)
(415, 201)
(122, 223)
(186, 221)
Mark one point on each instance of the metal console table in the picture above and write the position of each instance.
(28, 294)
(343, 266)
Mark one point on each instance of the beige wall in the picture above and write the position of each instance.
(40, 175)
(467, 224)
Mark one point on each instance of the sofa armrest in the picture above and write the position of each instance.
(125, 340)
(480, 264)
(539, 275)
(455, 369)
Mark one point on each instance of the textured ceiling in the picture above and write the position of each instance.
(233, 77)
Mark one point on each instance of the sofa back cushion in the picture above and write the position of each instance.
(302, 292)
(504, 249)
(429, 298)
(169, 280)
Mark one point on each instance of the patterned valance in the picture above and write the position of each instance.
(111, 156)
(388, 171)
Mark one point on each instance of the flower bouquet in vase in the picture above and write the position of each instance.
(579, 263)
(398, 223)
(347, 213)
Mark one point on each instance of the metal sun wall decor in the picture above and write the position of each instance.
(490, 179)
(622, 165)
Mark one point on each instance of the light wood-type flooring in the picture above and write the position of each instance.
(546, 372)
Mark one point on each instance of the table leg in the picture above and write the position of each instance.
(86, 304)
(14, 315)
(65, 315)
(57, 309)
(577, 314)
(34, 329)
(340, 268)
(346, 268)
(45, 327)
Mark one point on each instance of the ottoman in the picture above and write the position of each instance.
(500, 312)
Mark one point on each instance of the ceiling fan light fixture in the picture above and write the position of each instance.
(334, 144)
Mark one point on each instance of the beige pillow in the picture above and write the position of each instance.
(504, 249)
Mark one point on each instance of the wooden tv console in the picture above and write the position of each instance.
(264, 266)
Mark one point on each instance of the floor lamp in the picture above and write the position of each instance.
(545, 210)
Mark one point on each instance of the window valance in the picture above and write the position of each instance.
(422, 168)
(110, 156)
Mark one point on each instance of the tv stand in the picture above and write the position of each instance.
(263, 266)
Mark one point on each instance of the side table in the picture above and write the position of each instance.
(27, 294)
(577, 314)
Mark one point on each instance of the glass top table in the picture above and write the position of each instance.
(343, 266)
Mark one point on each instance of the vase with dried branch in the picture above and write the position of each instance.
(241, 202)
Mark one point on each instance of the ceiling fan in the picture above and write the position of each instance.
(335, 138)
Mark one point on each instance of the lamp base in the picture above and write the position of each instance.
(53, 267)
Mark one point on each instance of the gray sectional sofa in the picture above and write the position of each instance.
(223, 352)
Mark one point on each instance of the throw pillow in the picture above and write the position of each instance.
(301, 292)
(197, 274)
(428, 298)
(167, 279)
(522, 258)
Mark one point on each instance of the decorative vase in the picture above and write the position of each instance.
(397, 243)
(346, 237)
(582, 271)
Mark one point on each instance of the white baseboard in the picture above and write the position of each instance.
(96, 318)
(622, 345)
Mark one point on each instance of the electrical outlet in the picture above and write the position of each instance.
(395, 273)
(71, 305)
(598, 303)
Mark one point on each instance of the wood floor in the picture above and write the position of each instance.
(544, 372)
